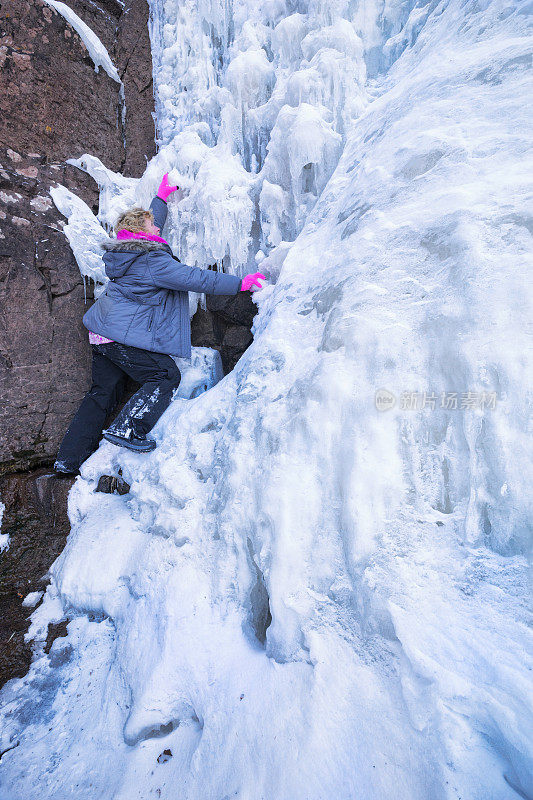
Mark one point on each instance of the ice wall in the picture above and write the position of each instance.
(253, 105)
(317, 586)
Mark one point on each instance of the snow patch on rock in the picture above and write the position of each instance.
(96, 49)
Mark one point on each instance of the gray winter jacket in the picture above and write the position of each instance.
(146, 302)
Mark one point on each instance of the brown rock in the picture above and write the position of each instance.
(133, 58)
(53, 106)
(36, 520)
(238, 309)
(225, 326)
(206, 329)
(237, 339)
(53, 89)
(44, 355)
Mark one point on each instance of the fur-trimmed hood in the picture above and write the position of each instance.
(120, 253)
(131, 245)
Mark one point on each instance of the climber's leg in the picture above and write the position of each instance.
(83, 434)
(159, 377)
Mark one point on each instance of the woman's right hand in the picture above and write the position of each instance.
(165, 189)
(251, 280)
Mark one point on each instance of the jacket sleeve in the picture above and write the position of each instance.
(159, 209)
(169, 273)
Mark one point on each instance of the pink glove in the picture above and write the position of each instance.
(164, 189)
(251, 280)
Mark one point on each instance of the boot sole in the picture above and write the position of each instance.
(120, 442)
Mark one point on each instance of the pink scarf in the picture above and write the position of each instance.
(124, 234)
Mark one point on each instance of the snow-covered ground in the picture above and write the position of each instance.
(317, 586)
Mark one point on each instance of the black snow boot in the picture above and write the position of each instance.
(139, 444)
(62, 470)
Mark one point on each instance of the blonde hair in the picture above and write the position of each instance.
(134, 220)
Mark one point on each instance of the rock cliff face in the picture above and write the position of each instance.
(53, 106)
(36, 521)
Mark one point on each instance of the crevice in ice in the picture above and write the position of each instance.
(153, 732)
(135, 735)
(7, 749)
(511, 781)
(260, 618)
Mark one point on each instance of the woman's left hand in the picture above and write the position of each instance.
(251, 280)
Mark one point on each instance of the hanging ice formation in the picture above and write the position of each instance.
(316, 587)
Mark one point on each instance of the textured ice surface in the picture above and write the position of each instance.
(84, 233)
(116, 191)
(305, 597)
(199, 373)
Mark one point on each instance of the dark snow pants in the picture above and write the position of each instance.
(112, 363)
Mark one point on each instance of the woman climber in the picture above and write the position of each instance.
(135, 327)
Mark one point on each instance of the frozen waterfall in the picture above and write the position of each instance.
(317, 587)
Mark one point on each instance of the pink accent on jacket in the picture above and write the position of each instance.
(124, 234)
(95, 338)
